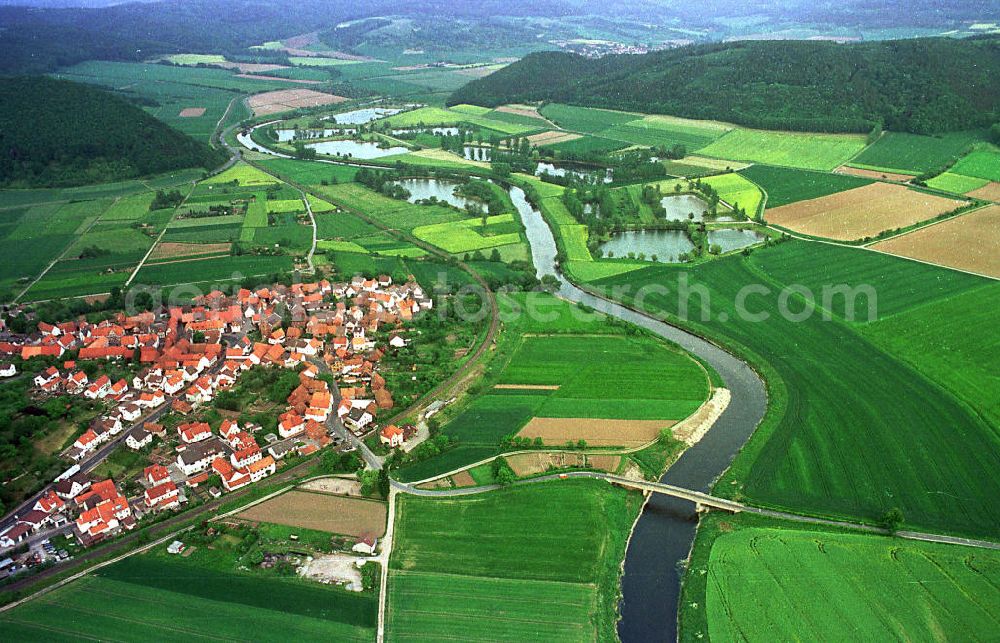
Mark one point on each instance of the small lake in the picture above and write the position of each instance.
(680, 205)
(286, 135)
(426, 188)
(559, 170)
(730, 239)
(475, 153)
(362, 116)
(355, 149)
(667, 245)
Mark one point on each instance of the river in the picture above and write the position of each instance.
(665, 532)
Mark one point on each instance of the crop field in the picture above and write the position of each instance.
(394, 213)
(322, 512)
(989, 192)
(792, 149)
(241, 175)
(153, 597)
(768, 583)
(914, 153)
(596, 433)
(466, 235)
(285, 205)
(308, 172)
(788, 185)
(520, 574)
(551, 137)
(215, 269)
(983, 163)
(130, 208)
(814, 452)
(667, 131)
(967, 242)
(874, 174)
(585, 119)
(173, 89)
(862, 212)
(587, 144)
(442, 116)
(737, 191)
(284, 100)
(957, 183)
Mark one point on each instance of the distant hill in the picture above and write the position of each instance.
(922, 85)
(57, 133)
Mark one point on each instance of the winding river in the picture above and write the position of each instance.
(665, 532)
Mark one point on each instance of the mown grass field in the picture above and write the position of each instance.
(162, 599)
(469, 235)
(506, 570)
(737, 191)
(788, 185)
(957, 183)
(983, 163)
(851, 430)
(916, 153)
(585, 119)
(792, 149)
(758, 581)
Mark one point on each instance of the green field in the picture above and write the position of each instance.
(587, 144)
(737, 191)
(497, 566)
(393, 213)
(755, 581)
(220, 269)
(585, 119)
(899, 151)
(468, 235)
(957, 183)
(241, 175)
(983, 163)
(308, 172)
(156, 598)
(652, 380)
(793, 149)
(442, 116)
(787, 185)
(833, 441)
(667, 131)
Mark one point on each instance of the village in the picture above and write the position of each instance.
(331, 338)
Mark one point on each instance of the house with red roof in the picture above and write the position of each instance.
(391, 435)
(262, 468)
(290, 424)
(155, 474)
(162, 496)
(191, 432)
(46, 376)
(49, 502)
(232, 478)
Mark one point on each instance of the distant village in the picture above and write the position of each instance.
(183, 357)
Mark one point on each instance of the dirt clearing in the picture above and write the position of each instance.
(692, 429)
(989, 192)
(339, 486)
(551, 138)
(967, 242)
(440, 483)
(597, 433)
(873, 174)
(339, 569)
(171, 250)
(528, 387)
(192, 112)
(861, 212)
(288, 99)
(520, 110)
(463, 479)
(607, 463)
(322, 512)
(529, 464)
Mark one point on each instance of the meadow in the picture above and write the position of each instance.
(468, 235)
(762, 582)
(520, 575)
(915, 153)
(788, 185)
(957, 183)
(831, 442)
(393, 213)
(155, 597)
(737, 191)
(793, 149)
(216, 269)
(442, 116)
(983, 163)
(667, 131)
(585, 119)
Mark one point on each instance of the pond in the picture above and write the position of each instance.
(475, 153)
(729, 239)
(680, 205)
(559, 170)
(667, 245)
(355, 149)
(362, 116)
(420, 189)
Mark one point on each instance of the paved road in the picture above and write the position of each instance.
(337, 427)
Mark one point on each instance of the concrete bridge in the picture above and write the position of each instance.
(701, 500)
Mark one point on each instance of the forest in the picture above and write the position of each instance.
(922, 85)
(60, 133)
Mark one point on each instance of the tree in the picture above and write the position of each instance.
(892, 519)
(502, 473)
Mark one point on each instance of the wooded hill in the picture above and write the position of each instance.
(923, 85)
(59, 133)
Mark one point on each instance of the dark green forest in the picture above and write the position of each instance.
(923, 85)
(60, 133)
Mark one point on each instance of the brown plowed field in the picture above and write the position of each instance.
(529, 464)
(192, 112)
(322, 512)
(463, 479)
(597, 433)
(861, 212)
(551, 138)
(170, 249)
(287, 99)
(873, 174)
(607, 463)
(967, 242)
(989, 192)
